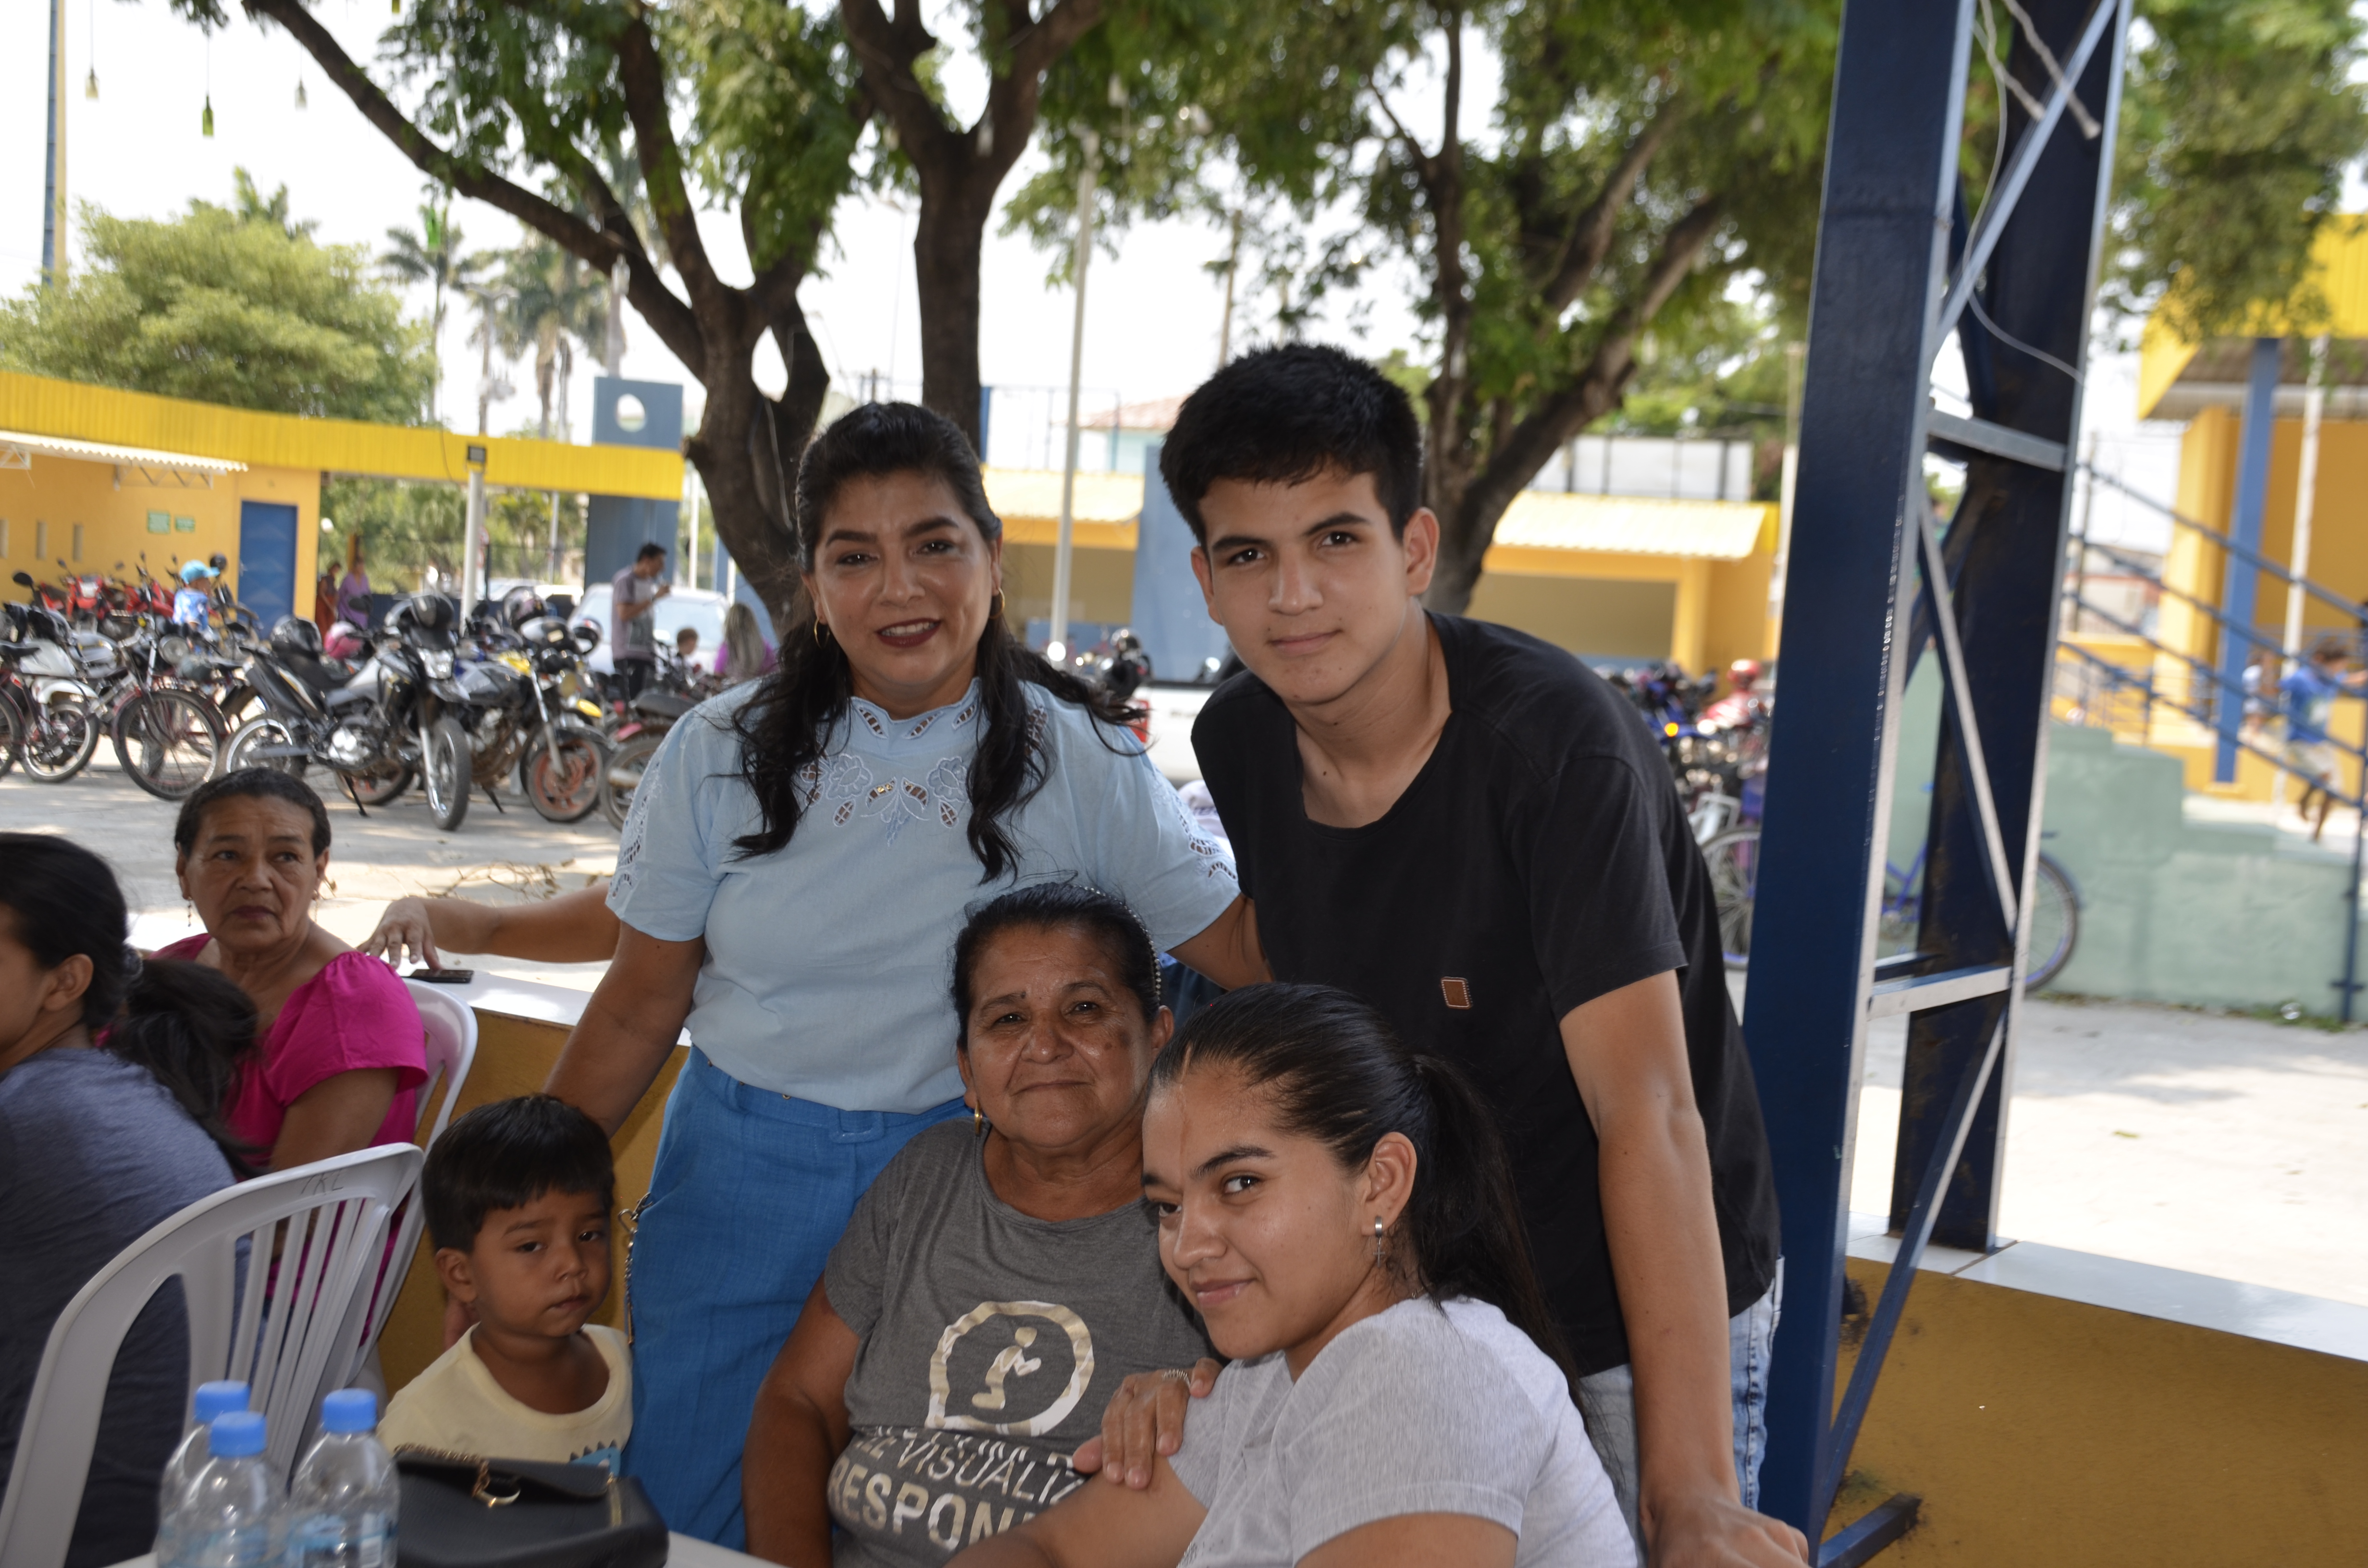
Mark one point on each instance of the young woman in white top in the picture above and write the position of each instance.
(1339, 1211)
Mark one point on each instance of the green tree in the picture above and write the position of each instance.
(746, 105)
(1644, 163)
(224, 305)
(433, 254)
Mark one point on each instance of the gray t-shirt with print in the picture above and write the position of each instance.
(1421, 1409)
(991, 1344)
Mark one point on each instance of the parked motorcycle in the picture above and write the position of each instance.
(55, 674)
(528, 715)
(395, 717)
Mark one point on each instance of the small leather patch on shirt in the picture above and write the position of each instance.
(1458, 994)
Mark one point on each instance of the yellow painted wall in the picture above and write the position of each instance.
(1628, 619)
(62, 493)
(513, 1058)
(40, 406)
(2042, 1430)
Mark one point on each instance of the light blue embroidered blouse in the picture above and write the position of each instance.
(828, 961)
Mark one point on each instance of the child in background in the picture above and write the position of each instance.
(518, 1197)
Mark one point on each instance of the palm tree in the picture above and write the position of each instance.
(433, 256)
(492, 331)
(555, 302)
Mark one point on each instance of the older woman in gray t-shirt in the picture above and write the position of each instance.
(999, 1281)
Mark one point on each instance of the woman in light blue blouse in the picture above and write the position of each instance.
(801, 854)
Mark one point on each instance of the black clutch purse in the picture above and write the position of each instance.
(464, 1512)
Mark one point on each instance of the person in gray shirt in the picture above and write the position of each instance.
(1340, 1211)
(99, 1142)
(999, 1281)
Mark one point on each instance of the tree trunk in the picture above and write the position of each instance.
(948, 245)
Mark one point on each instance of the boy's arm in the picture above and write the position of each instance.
(1101, 1527)
(795, 1436)
(1627, 1052)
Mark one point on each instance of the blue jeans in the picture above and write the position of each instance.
(1608, 1401)
(750, 1192)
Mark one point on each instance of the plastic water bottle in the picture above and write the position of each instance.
(213, 1399)
(341, 1506)
(229, 1515)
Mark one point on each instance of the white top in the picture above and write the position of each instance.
(829, 961)
(1416, 1410)
(455, 1405)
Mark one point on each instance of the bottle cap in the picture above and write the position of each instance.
(219, 1399)
(236, 1435)
(349, 1410)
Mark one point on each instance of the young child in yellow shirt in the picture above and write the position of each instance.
(517, 1198)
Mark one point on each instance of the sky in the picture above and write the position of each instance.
(1153, 309)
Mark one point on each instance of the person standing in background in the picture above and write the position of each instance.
(632, 631)
(745, 654)
(354, 591)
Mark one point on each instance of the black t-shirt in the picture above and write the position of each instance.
(1538, 861)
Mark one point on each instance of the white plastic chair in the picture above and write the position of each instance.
(286, 1339)
(451, 1028)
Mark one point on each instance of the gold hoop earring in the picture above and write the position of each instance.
(978, 1122)
(821, 631)
(995, 610)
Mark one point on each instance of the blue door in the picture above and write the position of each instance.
(267, 560)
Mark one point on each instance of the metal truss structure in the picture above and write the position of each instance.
(1901, 265)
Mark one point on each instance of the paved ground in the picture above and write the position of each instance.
(2226, 1145)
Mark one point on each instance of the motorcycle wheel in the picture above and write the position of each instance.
(167, 741)
(623, 776)
(574, 792)
(444, 771)
(365, 790)
(59, 741)
(256, 733)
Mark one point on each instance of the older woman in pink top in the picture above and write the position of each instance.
(342, 1059)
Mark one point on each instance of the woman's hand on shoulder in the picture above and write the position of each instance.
(1144, 1422)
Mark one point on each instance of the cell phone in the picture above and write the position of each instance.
(443, 976)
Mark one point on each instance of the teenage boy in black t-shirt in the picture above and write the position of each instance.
(1471, 830)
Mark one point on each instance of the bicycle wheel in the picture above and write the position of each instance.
(2055, 922)
(59, 741)
(167, 741)
(1734, 861)
(12, 732)
(623, 776)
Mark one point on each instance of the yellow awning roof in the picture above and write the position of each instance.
(2177, 378)
(1033, 494)
(1712, 531)
(17, 448)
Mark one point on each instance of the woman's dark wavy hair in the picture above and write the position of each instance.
(191, 1028)
(1336, 1072)
(1053, 906)
(787, 725)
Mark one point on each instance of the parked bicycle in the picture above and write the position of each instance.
(1733, 858)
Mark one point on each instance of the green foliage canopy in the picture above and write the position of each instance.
(224, 306)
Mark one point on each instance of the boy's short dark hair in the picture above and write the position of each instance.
(506, 1155)
(649, 549)
(1281, 416)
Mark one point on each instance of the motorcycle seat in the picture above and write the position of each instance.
(324, 675)
(662, 705)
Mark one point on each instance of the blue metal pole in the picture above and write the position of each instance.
(1883, 234)
(2245, 527)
